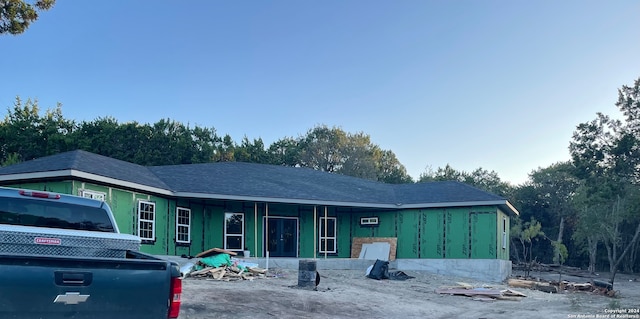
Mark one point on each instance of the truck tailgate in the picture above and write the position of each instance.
(78, 288)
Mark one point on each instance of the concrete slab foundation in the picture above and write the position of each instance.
(491, 270)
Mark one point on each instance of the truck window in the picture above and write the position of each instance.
(32, 212)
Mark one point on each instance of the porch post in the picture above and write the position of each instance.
(315, 230)
(255, 228)
(326, 227)
(266, 233)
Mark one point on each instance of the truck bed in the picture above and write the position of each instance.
(137, 286)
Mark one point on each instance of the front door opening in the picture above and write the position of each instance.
(282, 237)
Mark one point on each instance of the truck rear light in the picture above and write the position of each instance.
(176, 295)
(39, 194)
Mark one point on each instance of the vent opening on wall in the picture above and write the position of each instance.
(369, 221)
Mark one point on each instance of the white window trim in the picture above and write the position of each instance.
(92, 194)
(504, 233)
(369, 221)
(178, 225)
(330, 250)
(153, 221)
(241, 235)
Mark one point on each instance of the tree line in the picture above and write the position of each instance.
(26, 134)
(583, 212)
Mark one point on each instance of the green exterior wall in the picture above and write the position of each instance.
(432, 233)
(503, 244)
(408, 226)
(448, 232)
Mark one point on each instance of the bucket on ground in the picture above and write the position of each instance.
(308, 277)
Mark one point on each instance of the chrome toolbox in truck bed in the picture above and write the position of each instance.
(18, 239)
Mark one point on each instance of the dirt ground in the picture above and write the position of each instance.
(349, 294)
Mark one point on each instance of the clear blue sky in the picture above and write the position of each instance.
(494, 84)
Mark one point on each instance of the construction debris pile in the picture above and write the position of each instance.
(551, 268)
(595, 286)
(481, 293)
(217, 264)
(592, 285)
(229, 273)
(489, 294)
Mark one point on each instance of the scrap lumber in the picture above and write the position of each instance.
(220, 274)
(510, 298)
(215, 251)
(464, 285)
(257, 270)
(201, 271)
(485, 299)
(520, 283)
(229, 273)
(536, 285)
(471, 292)
(581, 287)
(512, 293)
(481, 294)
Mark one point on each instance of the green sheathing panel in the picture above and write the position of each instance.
(343, 235)
(357, 230)
(281, 210)
(124, 210)
(196, 228)
(502, 243)
(483, 234)
(249, 228)
(432, 233)
(387, 226)
(305, 232)
(456, 233)
(159, 245)
(408, 234)
(213, 226)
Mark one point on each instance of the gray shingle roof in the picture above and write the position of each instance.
(89, 163)
(249, 180)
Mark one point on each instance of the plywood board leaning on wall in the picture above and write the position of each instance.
(356, 245)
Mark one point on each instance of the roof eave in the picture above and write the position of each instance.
(503, 204)
(80, 174)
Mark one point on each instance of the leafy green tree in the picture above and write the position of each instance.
(587, 233)
(10, 159)
(284, 151)
(481, 178)
(28, 135)
(527, 234)
(390, 170)
(560, 254)
(334, 150)
(204, 141)
(225, 150)
(98, 136)
(17, 15)
(555, 187)
(321, 149)
(446, 173)
(606, 153)
(252, 151)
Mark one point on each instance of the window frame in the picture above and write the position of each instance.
(321, 236)
(187, 225)
(146, 220)
(227, 234)
(92, 194)
(504, 233)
